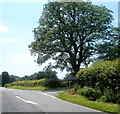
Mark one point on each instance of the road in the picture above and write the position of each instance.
(14, 100)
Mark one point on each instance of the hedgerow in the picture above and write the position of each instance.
(104, 75)
(51, 83)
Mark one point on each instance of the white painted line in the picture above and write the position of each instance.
(26, 101)
(67, 101)
(46, 94)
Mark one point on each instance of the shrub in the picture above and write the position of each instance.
(64, 83)
(76, 87)
(111, 96)
(103, 74)
(79, 91)
(90, 93)
(53, 83)
(103, 98)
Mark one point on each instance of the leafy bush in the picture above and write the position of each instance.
(103, 74)
(90, 93)
(76, 87)
(79, 91)
(64, 83)
(103, 98)
(52, 83)
(111, 96)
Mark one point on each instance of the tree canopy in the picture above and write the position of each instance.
(69, 32)
(110, 50)
(47, 73)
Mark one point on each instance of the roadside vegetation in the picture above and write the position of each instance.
(97, 87)
(74, 35)
(36, 88)
(101, 81)
(81, 100)
(42, 84)
(27, 87)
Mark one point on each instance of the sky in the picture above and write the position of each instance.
(17, 21)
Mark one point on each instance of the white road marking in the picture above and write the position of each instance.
(46, 94)
(26, 101)
(67, 101)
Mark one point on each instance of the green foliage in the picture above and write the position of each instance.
(110, 50)
(68, 33)
(103, 74)
(50, 74)
(28, 88)
(14, 78)
(47, 73)
(112, 96)
(5, 78)
(103, 98)
(50, 83)
(76, 87)
(90, 93)
(81, 100)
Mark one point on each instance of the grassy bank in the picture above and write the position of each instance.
(35, 88)
(77, 99)
(28, 88)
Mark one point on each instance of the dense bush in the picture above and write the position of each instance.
(91, 93)
(103, 74)
(50, 83)
(112, 96)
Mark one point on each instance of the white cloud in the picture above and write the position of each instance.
(8, 40)
(3, 29)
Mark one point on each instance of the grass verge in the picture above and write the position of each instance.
(81, 100)
(28, 88)
(35, 88)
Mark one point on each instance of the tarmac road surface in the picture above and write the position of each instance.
(14, 100)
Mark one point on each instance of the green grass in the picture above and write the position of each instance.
(35, 88)
(28, 88)
(81, 100)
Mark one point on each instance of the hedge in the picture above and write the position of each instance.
(102, 75)
(51, 83)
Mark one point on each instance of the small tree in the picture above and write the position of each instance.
(5, 78)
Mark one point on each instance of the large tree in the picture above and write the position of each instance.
(68, 33)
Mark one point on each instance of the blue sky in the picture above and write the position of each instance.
(17, 20)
